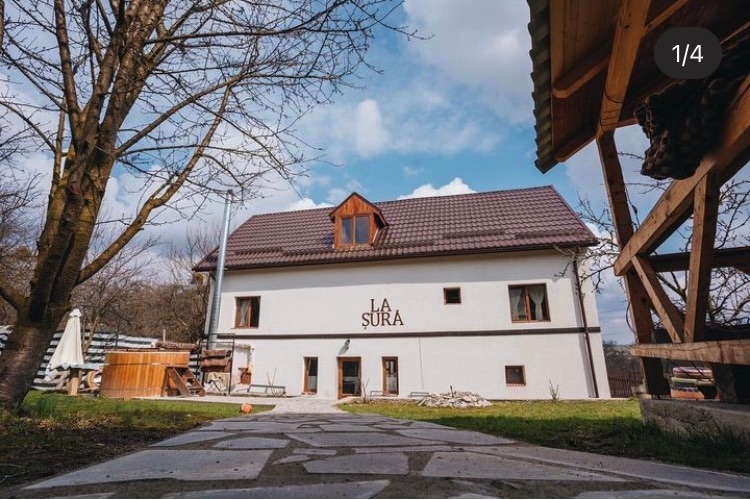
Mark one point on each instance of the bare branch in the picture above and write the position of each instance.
(156, 200)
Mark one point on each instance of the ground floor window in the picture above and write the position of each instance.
(390, 375)
(515, 375)
(311, 375)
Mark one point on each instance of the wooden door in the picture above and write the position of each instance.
(350, 377)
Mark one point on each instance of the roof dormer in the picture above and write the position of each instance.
(356, 222)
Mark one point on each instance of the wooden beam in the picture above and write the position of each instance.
(726, 159)
(630, 29)
(640, 309)
(723, 257)
(663, 306)
(706, 205)
(590, 66)
(615, 185)
(733, 352)
(581, 73)
(665, 14)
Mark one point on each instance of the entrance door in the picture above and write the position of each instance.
(350, 376)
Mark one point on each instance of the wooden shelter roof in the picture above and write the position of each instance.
(572, 43)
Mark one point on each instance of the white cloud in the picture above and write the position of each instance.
(337, 194)
(370, 137)
(456, 186)
(483, 44)
(401, 121)
(306, 204)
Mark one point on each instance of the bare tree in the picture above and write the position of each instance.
(17, 197)
(100, 297)
(190, 97)
(189, 291)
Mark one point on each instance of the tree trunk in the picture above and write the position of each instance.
(23, 354)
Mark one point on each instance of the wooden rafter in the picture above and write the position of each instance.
(663, 306)
(701, 256)
(673, 208)
(581, 73)
(735, 352)
(593, 64)
(616, 190)
(724, 257)
(630, 28)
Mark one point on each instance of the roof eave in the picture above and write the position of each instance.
(437, 253)
(541, 76)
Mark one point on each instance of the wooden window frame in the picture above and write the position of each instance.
(352, 221)
(527, 301)
(450, 289)
(253, 311)
(523, 376)
(306, 387)
(384, 360)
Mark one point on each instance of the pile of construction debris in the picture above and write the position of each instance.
(454, 399)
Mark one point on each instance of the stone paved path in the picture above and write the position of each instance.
(339, 455)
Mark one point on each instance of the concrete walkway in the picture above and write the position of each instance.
(332, 454)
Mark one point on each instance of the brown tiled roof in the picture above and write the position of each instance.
(499, 221)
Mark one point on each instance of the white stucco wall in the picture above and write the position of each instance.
(330, 300)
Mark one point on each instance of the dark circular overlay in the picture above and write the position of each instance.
(687, 53)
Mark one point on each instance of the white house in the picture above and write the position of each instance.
(476, 292)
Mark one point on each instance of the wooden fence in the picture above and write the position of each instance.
(622, 382)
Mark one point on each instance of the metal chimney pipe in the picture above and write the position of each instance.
(215, 301)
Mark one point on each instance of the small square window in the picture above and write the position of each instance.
(452, 295)
(515, 375)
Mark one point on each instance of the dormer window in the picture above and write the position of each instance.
(356, 222)
(355, 230)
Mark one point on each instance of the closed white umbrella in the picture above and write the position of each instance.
(69, 351)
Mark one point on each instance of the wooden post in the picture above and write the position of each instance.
(701, 256)
(640, 311)
(74, 381)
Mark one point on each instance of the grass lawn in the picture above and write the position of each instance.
(52, 433)
(607, 427)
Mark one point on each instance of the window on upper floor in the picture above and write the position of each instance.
(355, 230)
(356, 223)
(248, 312)
(528, 303)
(452, 295)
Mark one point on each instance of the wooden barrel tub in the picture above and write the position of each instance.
(138, 372)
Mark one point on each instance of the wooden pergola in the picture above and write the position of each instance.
(593, 64)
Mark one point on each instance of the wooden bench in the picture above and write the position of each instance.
(418, 394)
(381, 394)
(266, 390)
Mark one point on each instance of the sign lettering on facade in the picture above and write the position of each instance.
(381, 316)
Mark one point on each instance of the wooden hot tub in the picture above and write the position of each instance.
(138, 372)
